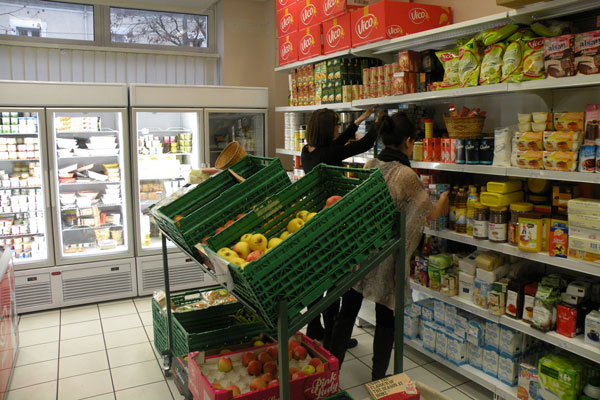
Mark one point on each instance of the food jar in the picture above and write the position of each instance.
(480, 221)
(530, 232)
(418, 151)
(516, 209)
(497, 227)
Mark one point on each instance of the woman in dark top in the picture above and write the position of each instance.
(326, 145)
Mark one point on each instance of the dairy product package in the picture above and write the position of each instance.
(467, 264)
(427, 306)
(457, 350)
(488, 261)
(411, 326)
(492, 335)
(490, 361)
(494, 275)
(502, 146)
(508, 369)
(476, 331)
(582, 206)
(450, 317)
(466, 286)
(511, 341)
(592, 329)
(528, 382)
(475, 355)
(461, 325)
(441, 341)
(429, 336)
(439, 312)
(480, 295)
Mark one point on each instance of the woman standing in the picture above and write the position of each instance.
(379, 286)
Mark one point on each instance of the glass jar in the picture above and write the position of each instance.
(516, 209)
(481, 221)
(418, 151)
(498, 225)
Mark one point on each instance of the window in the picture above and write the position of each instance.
(47, 19)
(158, 28)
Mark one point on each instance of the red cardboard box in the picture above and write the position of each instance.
(388, 19)
(315, 386)
(337, 34)
(279, 4)
(288, 49)
(287, 20)
(432, 150)
(335, 8)
(566, 320)
(309, 13)
(404, 83)
(409, 61)
(309, 42)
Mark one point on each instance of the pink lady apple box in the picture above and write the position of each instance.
(337, 34)
(389, 19)
(309, 42)
(312, 387)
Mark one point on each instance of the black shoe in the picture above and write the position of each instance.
(352, 343)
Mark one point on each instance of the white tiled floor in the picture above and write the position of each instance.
(106, 351)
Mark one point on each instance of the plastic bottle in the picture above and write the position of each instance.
(461, 211)
(471, 201)
(453, 112)
(452, 209)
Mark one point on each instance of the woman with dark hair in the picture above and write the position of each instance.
(326, 145)
(379, 286)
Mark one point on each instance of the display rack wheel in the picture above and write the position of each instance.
(166, 365)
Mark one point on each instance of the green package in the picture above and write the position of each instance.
(469, 63)
(522, 33)
(498, 34)
(549, 28)
(442, 261)
(533, 59)
(560, 376)
(449, 59)
(491, 65)
(512, 63)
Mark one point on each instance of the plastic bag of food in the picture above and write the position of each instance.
(218, 297)
(522, 33)
(512, 63)
(491, 65)
(502, 146)
(550, 28)
(498, 34)
(449, 59)
(533, 59)
(469, 63)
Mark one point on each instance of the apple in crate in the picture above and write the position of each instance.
(264, 357)
(293, 370)
(309, 216)
(273, 352)
(257, 384)
(295, 224)
(258, 242)
(332, 200)
(255, 255)
(273, 383)
(270, 367)
(242, 249)
(274, 242)
(315, 362)
(247, 357)
(298, 375)
(302, 214)
(254, 367)
(217, 385)
(246, 238)
(224, 364)
(284, 235)
(267, 377)
(309, 369)
(293, 343)
(300, 353)
(258, 343)
(233, 389)
(228, 223)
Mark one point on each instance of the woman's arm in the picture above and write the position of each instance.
(341, 152)
(351, 130)
(440, 207)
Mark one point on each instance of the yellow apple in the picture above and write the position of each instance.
(242, 249)
(294, 225)
(238, 261)
(309, 216)
(244, 264)
(228, 254)
(274, 242)
(302, 214)
(222, 251)
(246, 238)
(258, 242)
(284, 235)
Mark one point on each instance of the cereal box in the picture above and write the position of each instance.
(337, 34)
(559, 238)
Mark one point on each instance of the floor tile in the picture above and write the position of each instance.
(154, 391)
(79, 314)
(38, 336)
(354, 373)
(447, 374)
(408, 363)
(43, 391)
(174, 390)
(146, 318)
(33, 374)
(82, 364)
(143, 304)
(416, 356)
(130, 354)
(107, 396)
(476, 391)
(356, 331)
(39, 321)
(365, 346)
(455, 394)
(422, 375)
(85, 344)
(359, 393)
(136, 375)
(39, 314)
(125, 337)
(80, 329)
(116, 308)
(149, 331)
(37, 353)
(83, 386)
(121, 322)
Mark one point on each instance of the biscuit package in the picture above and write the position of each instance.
(533, 59)
(587, 53)
(469, 61)
(558, 56)
(450, 61)
(498, 34)
(512, 63)
(491, 65)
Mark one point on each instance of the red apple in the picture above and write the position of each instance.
(230, 222)
(332, 200)
(225, 351)
(255, 255)
(257, 384)
(219, 230)
(273, 383)
(270, 367)
(240, 216)
(299, 375)
(300, 353)
(292, 343)
(205, 239)
(293, 370)
(273, 352)
(290, 352)
(315, 362)
(254, 367)
(234, 389)
(217, 385)
(320, 368)
(247, 357)
(264, 357)
(268, 377)
(224, 364)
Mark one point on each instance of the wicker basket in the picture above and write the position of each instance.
(233, 153)
(462, 128)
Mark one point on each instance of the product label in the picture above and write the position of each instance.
(511, 303)
(528, 308)
(528, 234)
(480, 229)
(497, 232)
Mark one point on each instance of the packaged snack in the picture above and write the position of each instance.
(587, 159)
(528, 382)
(562, 141)
(592, 124)
(498, 34)
(568, 121)
(530, 141)
(530, 159)
(521, 33)
(217, 297)
(533, 59)
(558, 56)
(450, 61)
(469, 63)
(559, 239)
(512, 62)
(560, 376)
(587, 53)
(560, 160)
(409, 61)
(550, 28)
(491, 65)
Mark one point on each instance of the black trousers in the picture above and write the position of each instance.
(314, 330)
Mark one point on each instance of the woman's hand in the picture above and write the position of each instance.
(365, 115)
(441, 207)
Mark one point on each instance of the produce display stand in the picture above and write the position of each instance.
(287, 327)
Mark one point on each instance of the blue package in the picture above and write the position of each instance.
(490, 361)
(492, 334)
(457, 350)
(476, 331)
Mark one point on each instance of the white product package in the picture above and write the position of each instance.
(508, 369)
(490, 361)
(480, 295)
(421, 327)
(457, 350)
(461, 325)
(492, 335)
(476, 331)
(592, 329)
(429, 336)
(494, 275)
(467, 264)
(511, 341)
(411, 326)
(450, 317)
(466, 286)
(441, 341)
(475, 355)
(427, 309)
(502, 146)
(439, 312)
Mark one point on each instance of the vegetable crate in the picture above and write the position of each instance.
(201, 329)
(327, 248)
(210, 204)
(340, 396)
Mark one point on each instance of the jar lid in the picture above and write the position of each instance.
(521, 207)
(501, 209)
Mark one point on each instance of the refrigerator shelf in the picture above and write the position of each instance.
(88, 183)
(20, 212)
(22, 235)
(66, 208)
(19, 134)
(103, 132)
(165, 154)
(20, 187)
(164, 131)
(21, 159)
(89, 156)
(85, 227)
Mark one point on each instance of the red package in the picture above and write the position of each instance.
(409, 61)
(287, 20)
(308, 13)
(279, 4)
(288, 49)
(432, 150)
(336, 34)
(309, 42)
(388, 19)
(566, 320)
(335, 8)
(463, 112)
(404, 83)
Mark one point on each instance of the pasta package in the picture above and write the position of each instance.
(533, 59)
(469, 63)
(498, 34)
(530, 159)
(491, 65)
(512, 63)
(529, 141)
(560, 160)
(450, 61)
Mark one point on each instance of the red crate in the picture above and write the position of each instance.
(337, 34)
(288, 49)
(315, 386)
(309, 42)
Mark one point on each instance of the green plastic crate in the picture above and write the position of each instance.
(324, 250)
(339, 396)
(210, 204)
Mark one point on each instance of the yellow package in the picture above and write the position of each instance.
(530, 141)
(560, 160)
(568, 121)
(533, 59)
(469, 62)
(512, 62)
(491, 65)
(530, 159)
(562, 141)
(449, 59)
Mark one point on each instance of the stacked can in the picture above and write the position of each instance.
(293, 122)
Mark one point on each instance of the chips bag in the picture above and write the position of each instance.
(512, 62)
(550, 28)
(498, 34)
(522, 33)
(533, 59)
(491, 65)
(449, 59)
(469, 63)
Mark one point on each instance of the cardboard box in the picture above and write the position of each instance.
(309, 42)
(432, 150)
(584, 221)
(584, 206)
(409, 61)
(337, 34)
(584, 256)
(279, 4)
(397, 387)
(335, 8)
(584, 244)
(404, 83)
(309, 13)
(288, 49)
(528, 381)
(287, 20)
(388, 19)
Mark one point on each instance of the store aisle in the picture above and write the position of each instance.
(105, 351)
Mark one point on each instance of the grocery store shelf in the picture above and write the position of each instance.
(473, 169)
(87, 156)
(106, 132)
(166, 154)
(20, 187)
(333, 106)
(89, 183)
(66, 208)
(291, 66)
(20, 212)
(475, 375)
(21, 160)
(21, 235)
(85, 227)
(551, 9)
(288, 152)
(565, 263)
(19, 134)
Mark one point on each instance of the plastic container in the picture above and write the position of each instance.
(452, 208)
(498, 226)
(516, 209)
(538, 186)
(490, 199)
(504, 187)
(461, 211)
(481, 221)
(530, 232)
(471, 201)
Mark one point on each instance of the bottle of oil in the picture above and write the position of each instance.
(471, 201)
(452, 208)
(461, 210)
